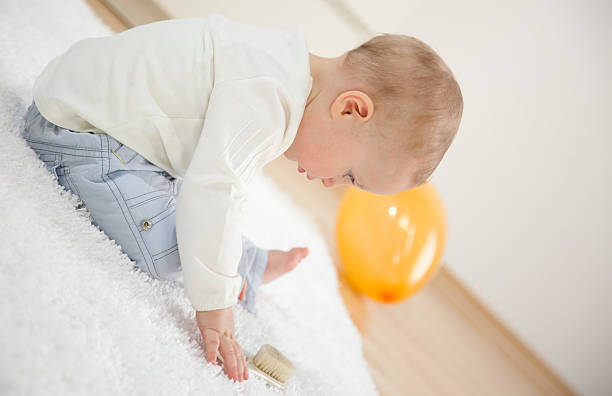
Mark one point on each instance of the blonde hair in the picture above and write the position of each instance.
(418, 103)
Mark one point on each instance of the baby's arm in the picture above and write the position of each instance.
(243, 129)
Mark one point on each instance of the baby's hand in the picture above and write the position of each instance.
(217, 328)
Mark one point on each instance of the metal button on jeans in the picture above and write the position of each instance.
(146, 224)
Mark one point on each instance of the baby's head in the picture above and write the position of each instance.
(383, 113)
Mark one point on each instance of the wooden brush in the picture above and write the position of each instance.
(270, 365)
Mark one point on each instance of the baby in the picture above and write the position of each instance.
(159, 130)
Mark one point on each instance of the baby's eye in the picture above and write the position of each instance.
(350, 177)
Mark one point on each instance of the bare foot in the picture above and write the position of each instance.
(281, 262)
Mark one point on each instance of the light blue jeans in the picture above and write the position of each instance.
(129, 198)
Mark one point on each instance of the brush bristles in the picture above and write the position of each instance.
(269, 360)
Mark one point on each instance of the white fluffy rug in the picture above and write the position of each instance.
(75, 319)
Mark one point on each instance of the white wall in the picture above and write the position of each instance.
(327, 32)
(527, 182)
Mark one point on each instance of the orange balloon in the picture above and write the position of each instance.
(391, 245)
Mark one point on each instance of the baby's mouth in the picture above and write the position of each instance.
(302, 170)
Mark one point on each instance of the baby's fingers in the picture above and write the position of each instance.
(211, 339)
(244, 369)
(227, 349)
(241, 362)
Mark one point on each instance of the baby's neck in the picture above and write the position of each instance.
(325, 72)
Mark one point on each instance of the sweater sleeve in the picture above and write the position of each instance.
(244, 125)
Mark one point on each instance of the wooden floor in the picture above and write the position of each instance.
(442, 341)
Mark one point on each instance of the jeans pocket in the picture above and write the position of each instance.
(156, 221)
(151, 206)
